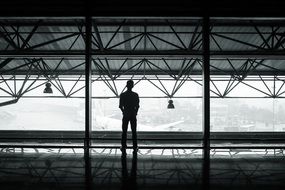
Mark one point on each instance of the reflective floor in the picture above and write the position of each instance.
(38, 168)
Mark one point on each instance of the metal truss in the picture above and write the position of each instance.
(138, 70)
(69, 86)
(20, 38)
(39, 73)
(270, 86)
(120, 38)
(50, 48)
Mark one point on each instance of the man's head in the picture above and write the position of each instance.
(130, 84)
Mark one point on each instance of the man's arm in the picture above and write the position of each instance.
(137, 104)
(121, 104)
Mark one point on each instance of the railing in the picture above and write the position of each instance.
(147, 139)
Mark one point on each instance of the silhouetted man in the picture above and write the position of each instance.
(129, 104)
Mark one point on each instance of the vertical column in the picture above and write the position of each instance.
(88, 101)
(206, 102)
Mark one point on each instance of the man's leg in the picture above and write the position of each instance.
(133, 121)
(125, 122)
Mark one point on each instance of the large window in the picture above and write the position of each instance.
(44, 114)
(247, 90)
(153, 115)
(247, 115)
(42, 117)
(162, 56)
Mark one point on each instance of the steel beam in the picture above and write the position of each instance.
(88, 101)
(77, 73)
(206, 101)
(140, 54)
(115, 21)
(8, 102)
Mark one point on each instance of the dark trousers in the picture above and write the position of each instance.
(133, 121)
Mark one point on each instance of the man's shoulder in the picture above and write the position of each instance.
(123, 94)
(126, 93)
(134, 93)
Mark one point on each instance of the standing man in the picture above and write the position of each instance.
(129, 104)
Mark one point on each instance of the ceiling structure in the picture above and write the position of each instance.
(162, 46)
(52, 49)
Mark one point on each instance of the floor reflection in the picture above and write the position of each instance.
(27, 169)
(129, 179)
(53, 169)
(146, 169)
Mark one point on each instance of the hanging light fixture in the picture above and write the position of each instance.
(170, 104)
(48, 89)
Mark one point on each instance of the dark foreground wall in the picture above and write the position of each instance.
(142, 8)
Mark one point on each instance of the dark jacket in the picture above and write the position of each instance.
(129, 103)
